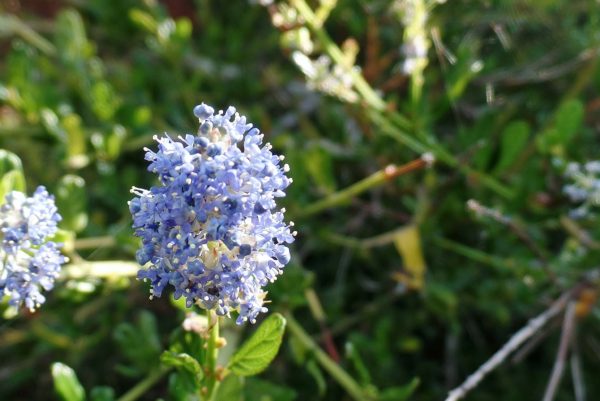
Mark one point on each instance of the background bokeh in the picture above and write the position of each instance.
(397, 279)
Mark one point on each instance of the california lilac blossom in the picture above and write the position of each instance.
(211, 229)
(584, 187)
(30, 262)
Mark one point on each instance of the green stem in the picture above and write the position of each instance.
(14, 25)
(438, 151)
(378, 105)
(339, 374)
(95, 242)
(336, 54)
(212, 354)
(473, 254)
(375, 179)
(140, 389)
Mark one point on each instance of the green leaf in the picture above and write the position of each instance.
(139, 343)
(11, 174)
(114, 141)
(184, 362)
(399, 393)
(359, 365)
(102, 393)
(318, 163)
(514, 139)
(71, 199)
(567, 122)
(181, 387)
(66, 384)
(262, 390)
(9, 162)
(231, 389)
(143, 19)
(259, 350)
(568, 119)
(11, 181)
(313, 368)
(76, 141)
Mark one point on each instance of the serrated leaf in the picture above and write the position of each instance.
(66, 384)
(185, 362)
(400, 393)
(259, 350)
(514, 139)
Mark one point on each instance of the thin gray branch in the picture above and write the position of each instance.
(561, 355)
(576, 371)
(515, 341)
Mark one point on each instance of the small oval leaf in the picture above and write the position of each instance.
(66, 384)
(514, 140)
(259, 350)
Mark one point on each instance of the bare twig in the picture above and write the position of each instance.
(517, 229)
(561, 355)
(515, 341)
(576, 371)
(521, 354)
(532, 75)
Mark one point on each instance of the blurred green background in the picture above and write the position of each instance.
(397, 280)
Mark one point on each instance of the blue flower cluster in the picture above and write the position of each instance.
(30, 262)
(211, 229)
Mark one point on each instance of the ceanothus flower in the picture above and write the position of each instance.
(584, 186)
(30, 263)
(211, 228)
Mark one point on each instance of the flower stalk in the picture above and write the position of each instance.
(212, 354)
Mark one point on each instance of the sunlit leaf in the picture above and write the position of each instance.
(66, 384)
(259, 350)
(408, 244)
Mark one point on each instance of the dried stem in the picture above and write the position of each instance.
(515, 341)
(561, 356)
(517, 229)
(576, 371)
